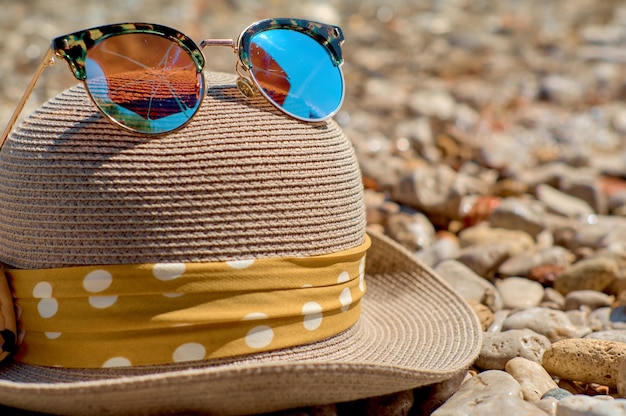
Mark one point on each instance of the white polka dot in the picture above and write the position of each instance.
(255, 316)
(345, 299)
(362, 275)
(312, 312)
(42, 290)
(52, 335)
(240, 264)
(189, 352)
(97, 281)
(343, 277)
(117, 362)
(168, 271)
(259, 336)
(48, 307)
(102, 302)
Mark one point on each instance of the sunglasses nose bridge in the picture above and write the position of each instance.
(245, 86)
(218, 42)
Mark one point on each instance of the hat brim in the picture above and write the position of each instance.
(414, 330)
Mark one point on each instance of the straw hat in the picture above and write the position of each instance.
(240, 183)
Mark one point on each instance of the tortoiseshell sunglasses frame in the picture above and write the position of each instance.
(73, 49)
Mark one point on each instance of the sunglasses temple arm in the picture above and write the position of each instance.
(48, 60)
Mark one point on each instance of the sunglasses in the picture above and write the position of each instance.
(149, 79)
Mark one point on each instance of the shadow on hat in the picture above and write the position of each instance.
(224, 268)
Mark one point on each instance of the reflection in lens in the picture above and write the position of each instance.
(296, 73)
(144, 82)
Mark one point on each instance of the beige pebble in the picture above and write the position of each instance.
(553, 298)
(621, 378)
(582, 405)
(590, 298)
(519, 293)
(488, 393)
(548, 405)
(500, 347)
(533, 378)
(517, 241)
(585, 359)
(553, 324)
(484, 314)
(592, 274)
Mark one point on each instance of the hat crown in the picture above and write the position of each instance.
(241, 180)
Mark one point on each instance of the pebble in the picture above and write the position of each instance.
(505, 135)
(556, 393)
(553, 324)
(446, 246)
(500, 347)
(548, 405)
(618, 335)
(469, 285)
(522, 264)
(621, 379)
(552, 299)
(519, 293)
(438, 104)
(498, 155)
(588, 190)
(532, 377)
(563, 204)
(563, 90)
(498, 319)
(581, 405)
(412, 230)
(609, 318)
(483, 259)
(589, 298)
(519, 214)
(430, 189)
(517, 241)
(488, 393)
(592, 274)
(587, 360)
(579, 317)
(485, 316)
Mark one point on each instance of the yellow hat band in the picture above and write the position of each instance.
(144, 314)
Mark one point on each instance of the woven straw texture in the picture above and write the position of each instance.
(238, 181)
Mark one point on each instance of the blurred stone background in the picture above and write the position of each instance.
(490, 134)
(477, 66)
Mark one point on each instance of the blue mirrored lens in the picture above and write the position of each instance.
(145, 83)
(296, 73)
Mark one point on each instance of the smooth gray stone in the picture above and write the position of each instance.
(580, 405)
(557, 393)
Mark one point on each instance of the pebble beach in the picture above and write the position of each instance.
(491, 138)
